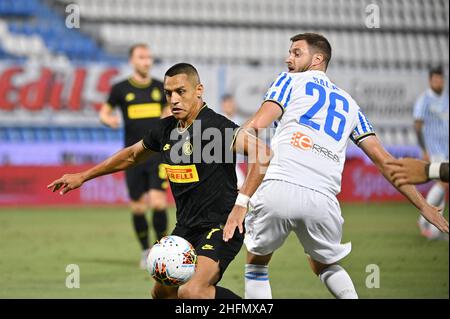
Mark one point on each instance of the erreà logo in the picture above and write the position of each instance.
(304, 142)
(301, 141)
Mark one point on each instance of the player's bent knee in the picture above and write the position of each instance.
(157, 200)
(158, 205)
(138, 208)
(258, 260)
(317, 267)
(189, 291)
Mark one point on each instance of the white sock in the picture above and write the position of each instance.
(338, 282)
(257, 285)
(436, 195)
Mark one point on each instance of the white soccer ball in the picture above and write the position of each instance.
(172, 261)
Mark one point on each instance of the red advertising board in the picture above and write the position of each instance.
(43, 87)
(362, 182)
(26, 186)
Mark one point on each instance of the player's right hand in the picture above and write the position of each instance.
(235, 220)
(432, 214)
(66, 183)
(113, 122)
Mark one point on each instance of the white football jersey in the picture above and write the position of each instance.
(312, 135)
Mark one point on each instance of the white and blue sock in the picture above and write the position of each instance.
(257, 285)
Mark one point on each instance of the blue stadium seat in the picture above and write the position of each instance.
(14, 27)
(14, 134)
(56, 134)
(50, 26)
(84, 134)
(99, 134)
(114, 135)
(43, 134)
(28, 29)
(4, 134)
(70, 134)
(28, 134)
(16, 7)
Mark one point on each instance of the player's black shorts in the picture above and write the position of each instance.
(146, 176)
(209, 243)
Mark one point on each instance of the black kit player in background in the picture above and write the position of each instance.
(142, 103)
(205, 191)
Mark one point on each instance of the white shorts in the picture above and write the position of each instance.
(279, 207)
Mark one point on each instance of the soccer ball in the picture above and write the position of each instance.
(172, 261)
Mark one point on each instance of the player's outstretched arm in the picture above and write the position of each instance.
(122, 160)
(379, 156)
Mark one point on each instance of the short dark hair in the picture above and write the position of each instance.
(184, 68)
(437, 70)
(134, 47)
(318, 43)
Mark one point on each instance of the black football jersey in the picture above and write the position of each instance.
(141, 106)
(200, 166)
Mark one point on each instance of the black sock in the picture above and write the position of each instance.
(141, 228)
(160, 223)
(224, 293)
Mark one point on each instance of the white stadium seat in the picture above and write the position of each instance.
(216, 35)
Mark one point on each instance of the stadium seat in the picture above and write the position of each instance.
(4, 137)
(221, 18)
(14, 134)
(28, 134)
(443, 44)
(56, 134)
(42, 134)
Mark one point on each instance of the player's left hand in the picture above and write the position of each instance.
(235, 219)
(407, 171)
(433, 215)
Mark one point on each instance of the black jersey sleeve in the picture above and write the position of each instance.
(114, 96)
(153, 139)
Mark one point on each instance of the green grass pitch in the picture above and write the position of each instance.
(36, 245)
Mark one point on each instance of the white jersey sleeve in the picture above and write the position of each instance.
(280, 90)
(362, 130)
